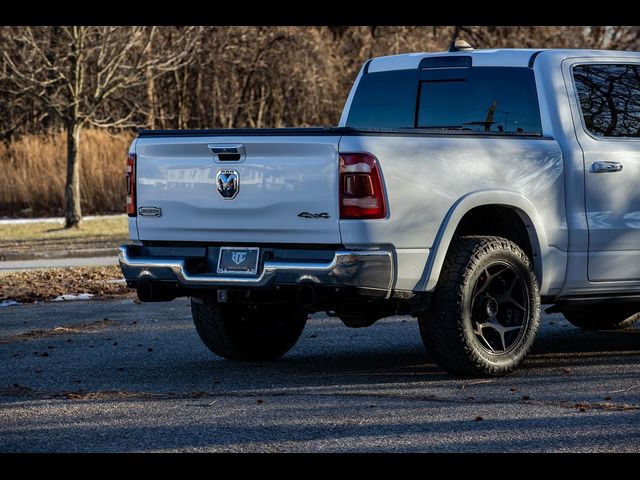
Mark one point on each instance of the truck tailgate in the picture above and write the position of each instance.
(286, 189)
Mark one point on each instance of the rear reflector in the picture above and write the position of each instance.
(131, 184)
(361, 192)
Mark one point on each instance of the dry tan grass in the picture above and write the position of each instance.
(97, 236)
(100, 228)
(34, 171)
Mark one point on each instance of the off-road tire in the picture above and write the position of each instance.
(602, 316)
(447, 327)
(240, 332)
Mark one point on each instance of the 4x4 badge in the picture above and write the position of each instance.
(228, 183)
(313, 215)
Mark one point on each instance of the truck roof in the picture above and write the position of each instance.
(503, 57)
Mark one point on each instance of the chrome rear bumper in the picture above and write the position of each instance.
(369, 269)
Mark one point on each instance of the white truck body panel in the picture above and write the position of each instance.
(426, 176)
(585, 228)
(279, 178)
(612, 201)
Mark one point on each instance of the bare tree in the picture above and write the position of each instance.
(173, 77)
(77, 73)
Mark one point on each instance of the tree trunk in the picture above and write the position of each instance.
(151, 98)
(73, 212)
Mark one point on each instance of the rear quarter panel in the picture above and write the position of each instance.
(425, 176)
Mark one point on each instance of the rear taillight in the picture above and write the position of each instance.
(131, 184)
(361, 192)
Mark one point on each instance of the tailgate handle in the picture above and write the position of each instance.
(228, 157)
(227, 153)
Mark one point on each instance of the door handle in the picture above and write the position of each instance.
(606, 167)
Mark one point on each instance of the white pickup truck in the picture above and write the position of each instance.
(464, 188)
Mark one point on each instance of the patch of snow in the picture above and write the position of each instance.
(7, 303)
(69, 296)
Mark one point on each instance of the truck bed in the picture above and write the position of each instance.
(253, 132)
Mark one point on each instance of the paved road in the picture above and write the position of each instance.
(19, 265)
(134, 377)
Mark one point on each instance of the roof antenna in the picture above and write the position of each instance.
(460, 46)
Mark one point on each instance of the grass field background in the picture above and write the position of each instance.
(97, 237)
(34, 172)
(108, 227)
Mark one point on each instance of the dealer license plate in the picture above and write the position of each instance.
(238, 260)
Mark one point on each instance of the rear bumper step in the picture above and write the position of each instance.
(358, 268)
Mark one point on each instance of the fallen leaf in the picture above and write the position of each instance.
(526, 397)
(258, 401)
(479, 418)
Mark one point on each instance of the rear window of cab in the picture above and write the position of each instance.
(480, 100)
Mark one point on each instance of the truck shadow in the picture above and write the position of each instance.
(572, 346)
(403, 361)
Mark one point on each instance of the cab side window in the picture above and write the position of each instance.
(609, 96)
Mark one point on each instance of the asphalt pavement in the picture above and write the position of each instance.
(117, 376)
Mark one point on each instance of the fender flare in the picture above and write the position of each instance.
(515, 200)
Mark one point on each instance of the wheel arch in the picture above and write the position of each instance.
(490, 198)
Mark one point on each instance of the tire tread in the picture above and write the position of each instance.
(219, 329)
(441, 327)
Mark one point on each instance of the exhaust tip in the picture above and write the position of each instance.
(145, 291)
(149, 292)
(306, 296)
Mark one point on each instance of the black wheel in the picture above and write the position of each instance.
(485, 310)
(240, 332)
(602, 316)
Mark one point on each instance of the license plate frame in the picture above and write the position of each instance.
(228, 263)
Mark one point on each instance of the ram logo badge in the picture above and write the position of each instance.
(313, 215)
(150, 211)
(228, 183)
